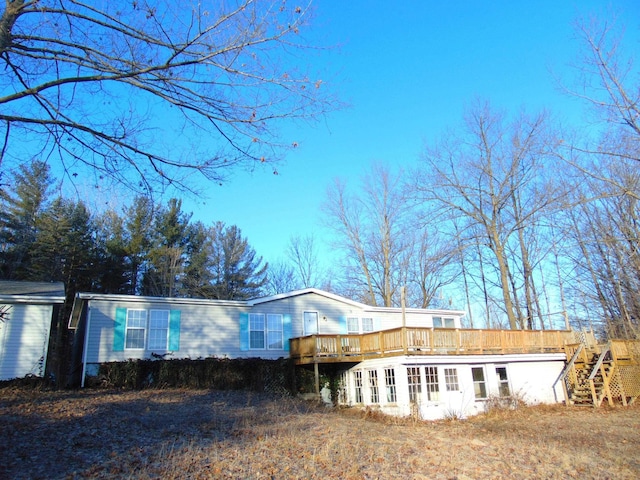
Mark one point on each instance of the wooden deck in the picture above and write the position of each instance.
(425, 341)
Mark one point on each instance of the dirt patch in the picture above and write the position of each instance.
(212, 434)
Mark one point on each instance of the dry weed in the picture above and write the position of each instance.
(173, 434)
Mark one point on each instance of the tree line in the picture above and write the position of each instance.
(519, 220)
(146, 249)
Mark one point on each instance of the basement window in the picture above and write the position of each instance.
(451, 379)
(479, 383)
(373, 386)
(432, 387)
(357, 381)
(390, 384)
(415, 387)
(503, 382)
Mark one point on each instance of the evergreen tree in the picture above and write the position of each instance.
(238, 273)
(167, 255)
(19, 213)
(113, 263)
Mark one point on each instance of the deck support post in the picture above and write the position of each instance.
(316, 372)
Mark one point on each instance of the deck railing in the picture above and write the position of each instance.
(426, 341)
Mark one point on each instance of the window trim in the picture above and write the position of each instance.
(415, 387)
(358, 386)
(374, 385)
(391, 389)
(360, 322)
(166, 330)
(129, 328)
(501, 382)
(265, 330)
(451, 380)
(479, 385)
(432, 383)
(443, 322)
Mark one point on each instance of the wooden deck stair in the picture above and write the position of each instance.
(595, 373)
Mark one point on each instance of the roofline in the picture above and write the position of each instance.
(363, 306)
(304, 291)
(148, 299)
(32, 299)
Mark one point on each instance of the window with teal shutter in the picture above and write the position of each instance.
(119, 328)
(174, 330)
(244, 332)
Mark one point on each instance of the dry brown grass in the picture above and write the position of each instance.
(173, 434)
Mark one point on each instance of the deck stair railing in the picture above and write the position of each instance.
(598, 372)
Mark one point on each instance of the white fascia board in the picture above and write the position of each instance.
(167, 300)
(416, 310)
(31, 299)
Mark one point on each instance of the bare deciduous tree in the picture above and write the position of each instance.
(150, 94)
(487, 178)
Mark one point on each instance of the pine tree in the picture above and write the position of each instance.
(19, 212)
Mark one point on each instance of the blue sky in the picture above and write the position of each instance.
(407, 70)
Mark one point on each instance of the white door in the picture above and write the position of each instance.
(310, 323)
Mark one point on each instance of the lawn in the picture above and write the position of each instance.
(211, 434)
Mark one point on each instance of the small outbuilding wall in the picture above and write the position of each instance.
(24, 332)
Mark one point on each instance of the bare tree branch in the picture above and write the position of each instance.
(148, 93)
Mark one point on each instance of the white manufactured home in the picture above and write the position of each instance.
(29, 309)
(402, 361)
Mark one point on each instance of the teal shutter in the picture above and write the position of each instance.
(244, 332)
(342, 325)
(286, 330)
(119, 329)
(174, 330)
(377, 325)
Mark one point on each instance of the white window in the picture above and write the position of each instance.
(431, 384)
(373, 386)
(256, 330)
(503, 382)
(359, 325)
(479, 384)
(136, 327)
(274, 332)
(367, 324)
(415, 385)
(439, 322)
(451, 379)
(158, 329)
(390, 384)
(357, 380)
(353, 325)
(265, 331)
